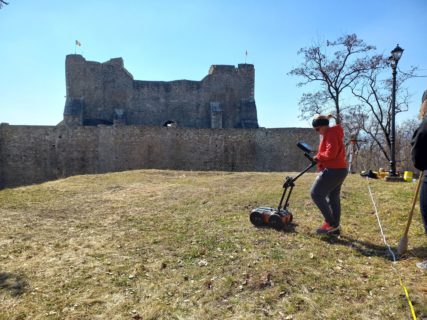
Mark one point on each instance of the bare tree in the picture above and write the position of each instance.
(354, 119)
(313, 103)
(374, 93)
(371, 155)
(334, 72)
(404, 133)
(2, 3)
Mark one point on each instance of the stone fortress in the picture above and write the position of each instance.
(115, 123)
(106, 93)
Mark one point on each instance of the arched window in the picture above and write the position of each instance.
(169, 124)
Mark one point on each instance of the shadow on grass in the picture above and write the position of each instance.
(369, 249)
(15, 285)
(418, 252)
(365, 248)
(289, 228)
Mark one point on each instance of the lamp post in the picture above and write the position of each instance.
(396, 54)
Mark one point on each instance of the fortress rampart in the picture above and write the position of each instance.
(33, 154)
(106, 93)
(115, 123)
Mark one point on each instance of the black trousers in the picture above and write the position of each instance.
(423, 200)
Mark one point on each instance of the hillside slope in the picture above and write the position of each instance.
(178, 245)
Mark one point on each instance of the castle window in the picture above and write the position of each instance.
(95, 122)
(170, 124)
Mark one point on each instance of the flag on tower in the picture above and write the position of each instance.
(78, 43)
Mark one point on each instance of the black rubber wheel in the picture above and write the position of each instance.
(256, 219)
(276, 222)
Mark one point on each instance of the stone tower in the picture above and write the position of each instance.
(106, 93)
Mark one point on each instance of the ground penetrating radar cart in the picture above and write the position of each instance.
(280, 217)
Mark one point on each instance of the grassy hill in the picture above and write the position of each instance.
(179, 245)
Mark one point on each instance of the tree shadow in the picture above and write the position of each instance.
(14, 284)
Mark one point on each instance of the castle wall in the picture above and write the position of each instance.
(103, 88)
(33, 154)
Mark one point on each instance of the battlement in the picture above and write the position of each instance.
(217, 68)
(221, 68)
(106, 93)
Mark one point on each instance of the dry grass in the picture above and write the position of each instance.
(178, 245)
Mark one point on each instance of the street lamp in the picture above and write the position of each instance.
(396, 54)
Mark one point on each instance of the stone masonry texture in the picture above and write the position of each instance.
(115, 123)
(34, 154)
(106, 93)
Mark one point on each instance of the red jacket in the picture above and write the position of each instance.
(331, 152)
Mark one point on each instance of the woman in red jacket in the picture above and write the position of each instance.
(332, 165)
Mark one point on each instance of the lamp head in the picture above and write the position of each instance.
(396, 53)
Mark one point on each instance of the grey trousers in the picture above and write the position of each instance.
(325, 193)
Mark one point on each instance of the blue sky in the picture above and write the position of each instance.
(171, 40)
